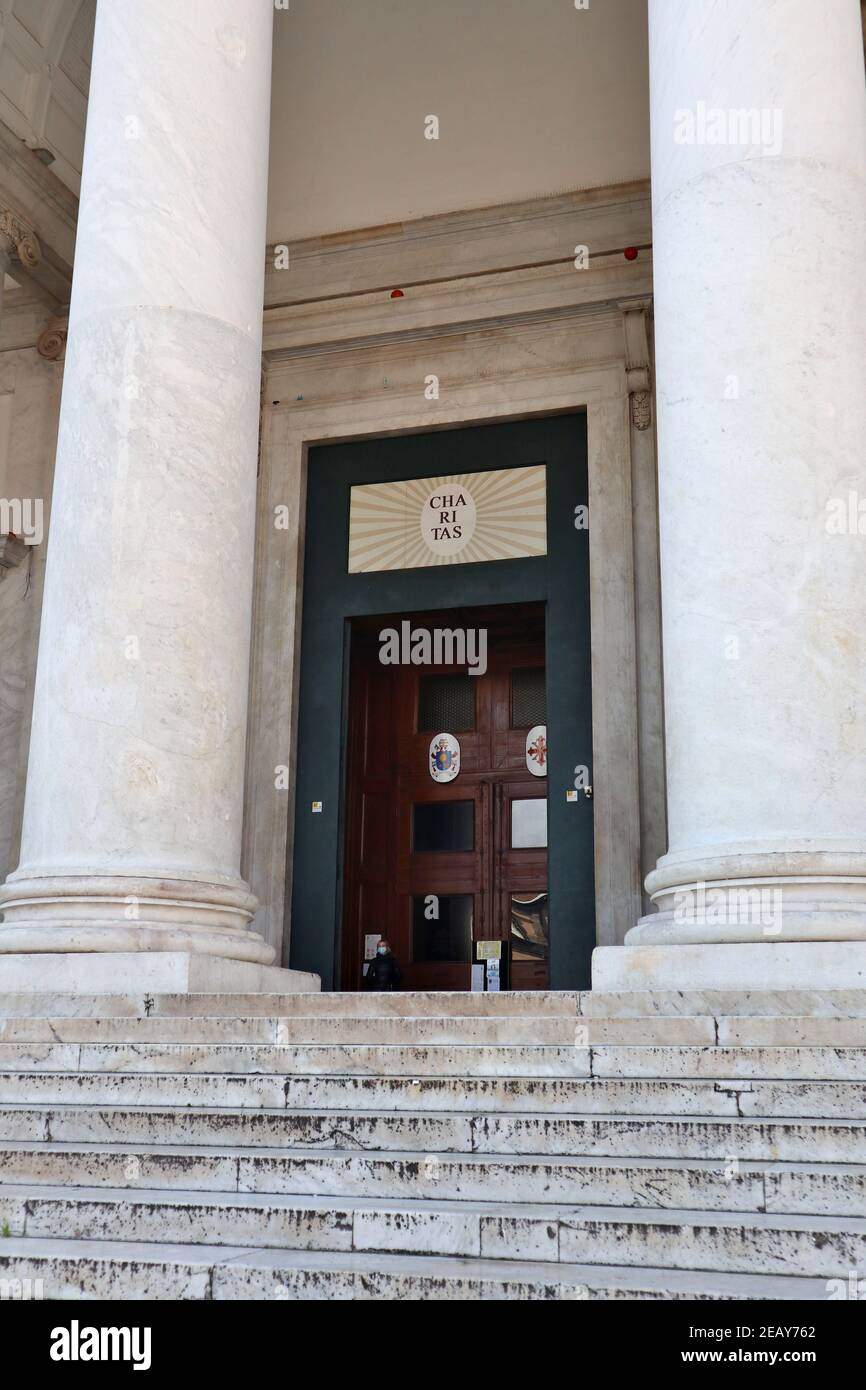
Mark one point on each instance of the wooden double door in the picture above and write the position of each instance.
(438, 866)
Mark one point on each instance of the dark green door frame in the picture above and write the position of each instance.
(332, 597)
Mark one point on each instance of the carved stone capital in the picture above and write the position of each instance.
(23, 239)
(51, 343)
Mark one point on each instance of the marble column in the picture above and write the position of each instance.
(759, 234)
(132, 826)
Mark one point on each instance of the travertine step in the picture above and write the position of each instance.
(436, 1132)
(125, 1270)
(630, 1097)
(744, 1063)
(500, 1029)
(416, 1004)
(747, 1242)
(724, 1003)
(465, 1146)
(716, 1184)
(446, 1059)
(312, 1060)
(809, 1004)
(721, 1031)
(507, 1030)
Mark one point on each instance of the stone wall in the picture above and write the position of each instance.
(30, 403)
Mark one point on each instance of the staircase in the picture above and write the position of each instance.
(434, 1146)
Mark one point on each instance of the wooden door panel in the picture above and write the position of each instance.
(389, 756)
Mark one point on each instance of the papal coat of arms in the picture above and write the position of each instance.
(536, 750)
(444, 758)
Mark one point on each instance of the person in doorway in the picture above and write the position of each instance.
(383, 972)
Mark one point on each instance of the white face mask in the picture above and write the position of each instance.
(381, 950)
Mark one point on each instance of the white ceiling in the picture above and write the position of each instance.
(533, 97)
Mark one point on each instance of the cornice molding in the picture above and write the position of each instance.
(485, 269)
(539, 233)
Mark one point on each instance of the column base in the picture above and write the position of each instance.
(53, 913)
(780, 965)
(137, 972)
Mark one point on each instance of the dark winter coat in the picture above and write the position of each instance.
(383, 973)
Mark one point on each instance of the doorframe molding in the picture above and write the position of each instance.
(504, 346)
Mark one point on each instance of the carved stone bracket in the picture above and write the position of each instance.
(51, 343)
(637, 360)
(641, 410)
(23, 239)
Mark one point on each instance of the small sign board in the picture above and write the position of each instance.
(488, 950)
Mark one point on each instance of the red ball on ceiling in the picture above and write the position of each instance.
(397, 294)
(630, 253)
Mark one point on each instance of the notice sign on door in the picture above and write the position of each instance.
(462, 519)
(488, 950)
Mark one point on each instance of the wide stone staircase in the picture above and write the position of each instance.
(434, 1146)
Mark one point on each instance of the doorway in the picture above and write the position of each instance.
(359, 864)
(438, 865)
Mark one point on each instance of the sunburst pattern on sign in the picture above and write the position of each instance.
(460, 518)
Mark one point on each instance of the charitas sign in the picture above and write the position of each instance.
(448, 520)
(462, 519)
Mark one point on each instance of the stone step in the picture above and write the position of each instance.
(505, 1030)
(720, 1031)
(713, 1184)
(730, 1242)
(361, 1060)
(701, 1145)
(812, 1246)
(628, 1097)
(92, 1270)
(792, 1031)
(440, 1004)
(414, 1003)
(717, 1063)
(717, 1003)
(434, 1132)
(744, 1063)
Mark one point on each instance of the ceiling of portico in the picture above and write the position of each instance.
(533, 97)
